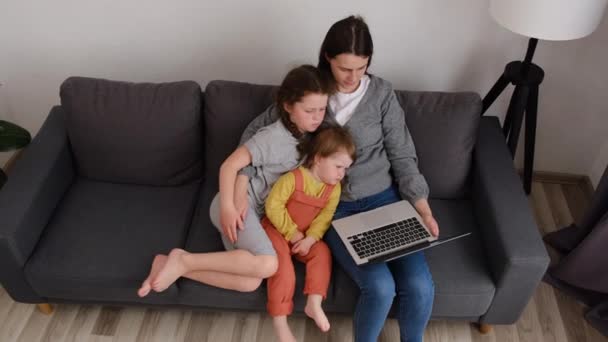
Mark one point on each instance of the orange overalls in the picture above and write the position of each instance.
(302, 209)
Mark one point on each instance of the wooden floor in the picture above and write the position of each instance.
(550, 316)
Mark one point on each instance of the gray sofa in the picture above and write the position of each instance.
(122, 171)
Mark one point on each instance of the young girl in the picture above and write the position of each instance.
(299, 210)
(249, 257)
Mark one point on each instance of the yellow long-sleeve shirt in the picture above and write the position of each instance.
(277, 199)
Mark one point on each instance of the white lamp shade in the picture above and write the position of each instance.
(549, 19)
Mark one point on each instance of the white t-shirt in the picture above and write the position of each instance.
(343, 105)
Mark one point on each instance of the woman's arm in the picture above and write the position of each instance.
(266, 118)
(401, 151)
(241, 200)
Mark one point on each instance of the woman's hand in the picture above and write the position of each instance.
(424, 210)
(431, 224)
(303, 246)
(230, 219)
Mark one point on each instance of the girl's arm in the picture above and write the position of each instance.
(229, 216)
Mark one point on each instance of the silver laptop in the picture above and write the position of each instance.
(386, 233)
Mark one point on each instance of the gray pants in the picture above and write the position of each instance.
(253, 238)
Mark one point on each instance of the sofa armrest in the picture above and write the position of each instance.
(36, 184)
(516, 254)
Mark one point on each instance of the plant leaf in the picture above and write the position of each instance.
(13, 137)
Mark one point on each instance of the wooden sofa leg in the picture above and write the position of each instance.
(484, 328)
(45, 308)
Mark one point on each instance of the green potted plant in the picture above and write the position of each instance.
(12, 137)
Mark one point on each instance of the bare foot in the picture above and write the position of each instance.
(313, 310)
(173, 269)
(282, 330)
(157, 264)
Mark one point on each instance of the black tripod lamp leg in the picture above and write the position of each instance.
(494, 92)
(515, 112)
(531, 114)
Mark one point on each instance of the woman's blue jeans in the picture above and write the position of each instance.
(407, 277)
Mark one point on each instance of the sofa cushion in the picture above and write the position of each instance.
(138, 133)
(462, 279)
(444, 129)
(100, 243)
(229, 107)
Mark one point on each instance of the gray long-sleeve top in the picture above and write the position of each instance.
(385, 150)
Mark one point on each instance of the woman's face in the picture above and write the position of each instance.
(308, 113)
(348, 70)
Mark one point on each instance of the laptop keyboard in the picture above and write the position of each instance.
(388, 237)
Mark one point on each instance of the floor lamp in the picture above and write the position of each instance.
(537, 19)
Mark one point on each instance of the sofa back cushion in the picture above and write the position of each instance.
(137, 133)
(229, 107)
(443, 126)
(444, 129)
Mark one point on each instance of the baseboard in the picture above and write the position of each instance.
(563, 178)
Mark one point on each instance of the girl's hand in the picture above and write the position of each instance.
(303, 246)
(230, 220)
(431, 223)
(296, 237)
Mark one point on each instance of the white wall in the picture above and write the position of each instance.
(420, 45)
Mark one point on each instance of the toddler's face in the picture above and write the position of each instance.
(331, 169)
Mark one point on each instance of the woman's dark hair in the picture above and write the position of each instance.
(327, 141)
(349, 35)
(299, 82)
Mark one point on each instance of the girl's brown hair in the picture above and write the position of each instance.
(299, 82)
(328, 141)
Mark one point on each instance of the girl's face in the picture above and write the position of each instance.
(348, 70)
(331, 169)
(308, 113)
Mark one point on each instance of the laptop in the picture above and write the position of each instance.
(386, 233)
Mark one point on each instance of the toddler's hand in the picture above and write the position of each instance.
(303, 246)
(296, 237)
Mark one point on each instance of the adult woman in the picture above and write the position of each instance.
(368, 107)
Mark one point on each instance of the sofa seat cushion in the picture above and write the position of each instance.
(101, 241)
(444, 129)
(463, 286)
(135, 133)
